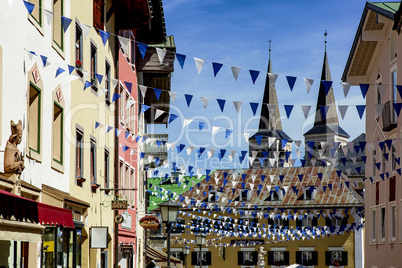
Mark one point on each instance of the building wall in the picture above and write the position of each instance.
(381, 64)
(87, 108)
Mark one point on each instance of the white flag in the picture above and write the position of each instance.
(123, 43)
(199, 63)
(143, 90)
(214, 129)
(48, 15)
(308, 83)
(187, 121)
(346, 87)
(235, 71)
(272, 79)
(205, 101)
(237, 105)
(306, 110)
(161, 54)
(158, 113)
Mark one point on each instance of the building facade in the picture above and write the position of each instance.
(373, 62)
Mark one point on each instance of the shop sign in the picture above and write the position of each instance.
(149, 222)
(120, 204)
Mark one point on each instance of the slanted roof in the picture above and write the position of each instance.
(327, 129)
(364, 45)
(279, 134)
(340, 195)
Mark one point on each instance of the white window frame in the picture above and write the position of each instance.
(202, 250)
(373, 228)
(332, 249)
(307, 249)
(278, 249)
(247, 250)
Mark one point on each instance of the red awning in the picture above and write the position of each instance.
(20, 207)
(26, 209)
(52, 215)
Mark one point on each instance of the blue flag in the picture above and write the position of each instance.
(291, 81)
(157, 93)
(327, 86)
(254, 106)
(254, 74)
(364, 88)
(188, 99)
(221, 103)
(216, 67)
(288, 109)
(143, 48)
(104, 36)
(66, 23)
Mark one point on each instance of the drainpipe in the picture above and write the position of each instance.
(116, 160)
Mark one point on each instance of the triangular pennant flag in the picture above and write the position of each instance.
(271, 140)
(172, 96)
(342, 110)
(158, 113)
(87, 84)
(288, 109)
(254, 106)
(215, 129)
(65, 22)
(123, 43)
(324, 110)
(360, 110)
(221, 103)
(70, 69)
(237, 105)
(104, 36)
(291, 82)
(399, 88)
(143, 107)
(235, 72)
(308, 83)
(97, 124)
(228, 132)
(48, 15)
(216, 67)
(201, 125)
(181, 59)
(284, 142)
(272, 79)
(44, 60)
(364, 88)
(109, 128)
(143, 48)
(306, 110)
(161, 54)
(59, 71)
(188, 99)
(346, 87)
(378, 109)
(258, 138)
(143, 90)
(187, 121)
(254, 74)
(327, 86)
(30, 7)
(397, 107)
(198, 63)
(172, 117)
(99, 77)
(157, 92)
(205, 101)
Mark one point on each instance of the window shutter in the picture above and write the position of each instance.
(98, 14)
(328, 221)
(344, 258)
(194, 258)
(392, 181)
(315, 221)
(286, 222)
(286, 257)
(315, 257)
(255, 258)
(270, 255)
(239, 258)
(299, 257)
(181, 256)
(209, 259)
(299, 223)
(328, 258)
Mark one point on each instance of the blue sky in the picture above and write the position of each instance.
(236, 33)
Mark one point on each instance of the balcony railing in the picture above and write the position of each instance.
(152, 148)
(388, 117)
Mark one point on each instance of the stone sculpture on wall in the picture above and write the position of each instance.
(13, 159)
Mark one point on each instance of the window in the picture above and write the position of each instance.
(132, 193)
(93, 161)
(98, 15)
(336, 257)
(373, 226)
(178, 227)
(394, 45)
(107, 82)
(306, 221)
(308, 194)
(377, 192)
(307, 257)
(382, 231)
(37, 11)
(275, 195)
(121, 177)
(34, 118)
(129, 53)
(127, 112)
(392, 188)
(93, 63)
(378, 93)
(79, 153)
(247, 258)
(336, 221)
(78, 46)
(278, 257)
(57, 24)
(244, 195)
(392, 223)
(121, 104)
(177, 253)
(57, 133)
(278, 221)
(374, 160)
(106, 168)
(127, 181)
(204, 258)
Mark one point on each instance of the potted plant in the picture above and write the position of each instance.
(78, 67)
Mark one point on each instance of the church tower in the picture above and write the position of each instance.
(319, 140)
(270, 147)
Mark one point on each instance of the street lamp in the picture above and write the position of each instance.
(186, 251)
(200, 241)
(169, 211)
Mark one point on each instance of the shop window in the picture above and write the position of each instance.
(203, 258)
(37, 11)
(57, 133)
(34, 118)
(247, 258)
(92, 161)
(98, 14)
(106, 183)
(79, 155)
(336, 258)
(278, 257)
(307, 257)
(57, 24)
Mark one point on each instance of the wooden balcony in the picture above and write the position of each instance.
(151, 64)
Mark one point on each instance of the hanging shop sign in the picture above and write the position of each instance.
(149, 222)
(119, 204)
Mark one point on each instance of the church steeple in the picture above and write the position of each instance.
(270, 118)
